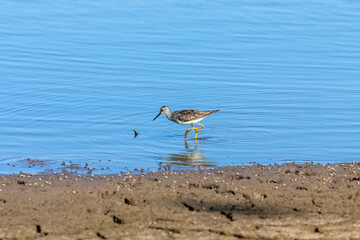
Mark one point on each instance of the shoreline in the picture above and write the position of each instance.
(292, 201)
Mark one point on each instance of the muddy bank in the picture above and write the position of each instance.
(265, 202)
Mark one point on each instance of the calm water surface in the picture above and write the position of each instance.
(78, 76)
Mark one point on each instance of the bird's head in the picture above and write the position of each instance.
(163, 109)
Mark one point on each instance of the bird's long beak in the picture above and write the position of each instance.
(157, 116)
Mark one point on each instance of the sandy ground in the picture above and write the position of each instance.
(305, 201)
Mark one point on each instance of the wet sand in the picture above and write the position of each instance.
(305, 201)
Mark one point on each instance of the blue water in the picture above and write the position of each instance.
(78, 76)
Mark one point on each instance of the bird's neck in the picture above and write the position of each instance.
(168, 114)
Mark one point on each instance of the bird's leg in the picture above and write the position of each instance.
(202, 126)
(187, 131)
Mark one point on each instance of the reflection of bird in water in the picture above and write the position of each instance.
(186, 117)
(189, 158)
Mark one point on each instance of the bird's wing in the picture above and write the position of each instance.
(188, 115)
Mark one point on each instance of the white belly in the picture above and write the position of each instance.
(189, 122)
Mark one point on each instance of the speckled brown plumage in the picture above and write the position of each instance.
(189, 115)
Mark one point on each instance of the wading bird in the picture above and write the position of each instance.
(186, 117)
